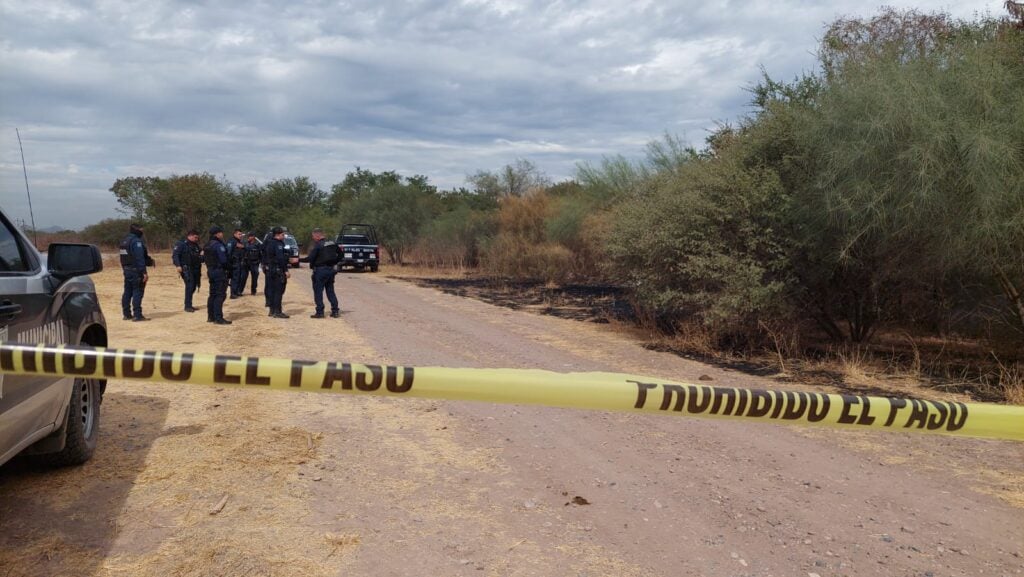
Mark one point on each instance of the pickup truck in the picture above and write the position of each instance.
(358, 248)
(49, 300)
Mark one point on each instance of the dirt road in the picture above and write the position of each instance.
(193, 481)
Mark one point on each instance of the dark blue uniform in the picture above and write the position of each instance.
(236, 264)
(134, 258)
(216, 255)
(275, 258)
(321, 259)
(186, 255)
(253, 259)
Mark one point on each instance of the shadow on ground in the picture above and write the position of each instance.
(64, 521)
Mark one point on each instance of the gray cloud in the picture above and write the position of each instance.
(105, 89)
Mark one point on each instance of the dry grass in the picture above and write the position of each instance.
(855, 365)
(1011, 381)
(422, 271)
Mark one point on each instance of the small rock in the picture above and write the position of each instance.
(888, 538)
(657, 504)
(704, 378)
(529, 504)
(734, 555)
(807, 541)
(743, 562)
(464, 561)
(761, 509)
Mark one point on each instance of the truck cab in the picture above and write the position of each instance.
(358, 247)
(48, 300)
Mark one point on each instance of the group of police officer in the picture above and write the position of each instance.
(229, 266)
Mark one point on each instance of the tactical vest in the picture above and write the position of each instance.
(253, 253)
(178, 254)
(124, 250)
(328, 255)
(191, 255)
(210, 255)
(235, 254)
(273, 256)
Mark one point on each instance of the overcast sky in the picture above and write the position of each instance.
(283, 88)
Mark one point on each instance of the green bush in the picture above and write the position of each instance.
(701, 246)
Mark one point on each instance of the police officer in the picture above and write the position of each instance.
(266, 243)
(188, 261)
(322, 258)
(275, 258)
(236, 261)
(134, 260)
(252, 260)
(216, 255)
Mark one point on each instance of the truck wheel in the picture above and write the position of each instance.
(373, 268)
(83, 425)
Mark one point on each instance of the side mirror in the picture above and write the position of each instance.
(66, 260)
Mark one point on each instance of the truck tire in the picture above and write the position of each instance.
(83, 426)
(373, 268)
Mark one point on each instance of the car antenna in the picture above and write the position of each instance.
(35, 239)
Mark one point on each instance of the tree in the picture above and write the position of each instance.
(701, 244)
(899, 36)
(177, 203)
(135, 193)
(513, 180)
(356, 184)
(920, 170)
(397, 206)
(282, 202)
(107, 232)
(398, 211)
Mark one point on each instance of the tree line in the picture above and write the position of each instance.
(884, 189)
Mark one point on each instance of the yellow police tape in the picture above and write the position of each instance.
(578, 390)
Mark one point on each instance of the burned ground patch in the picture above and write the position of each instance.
(592, 303)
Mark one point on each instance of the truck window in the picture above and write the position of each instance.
(12, 254)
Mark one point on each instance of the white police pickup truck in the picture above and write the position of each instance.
(48, 300)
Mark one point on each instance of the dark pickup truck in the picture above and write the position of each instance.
(358, 248)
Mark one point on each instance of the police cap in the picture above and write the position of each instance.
(215, 229)
(276, 230)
